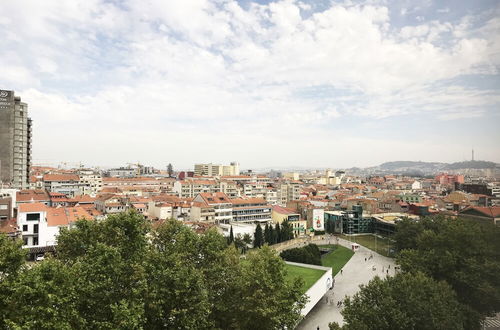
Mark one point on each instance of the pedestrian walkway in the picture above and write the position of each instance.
(357, 271)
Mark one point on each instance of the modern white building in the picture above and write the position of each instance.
(40, 224)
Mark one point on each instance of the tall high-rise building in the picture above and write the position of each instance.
(15, 141)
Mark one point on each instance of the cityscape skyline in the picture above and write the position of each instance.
(269, 84)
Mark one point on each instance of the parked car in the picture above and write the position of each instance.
(39, 257)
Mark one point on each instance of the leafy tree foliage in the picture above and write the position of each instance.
(463, 253)
(268, 234)
(121, 274)
(170, 170)
(265, 298)
(12, 258)
(12, 261)
(308, 254)
(286, 231)
(406, 301)
(277, 234)
(45, 298)
(258, 240)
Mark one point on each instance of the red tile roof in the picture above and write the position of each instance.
(35, 195)
(61, 177)
(283, 210)
(491, 211)
(32, 207)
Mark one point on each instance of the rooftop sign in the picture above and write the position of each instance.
(5, 99)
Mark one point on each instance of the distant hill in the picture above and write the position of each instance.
(410, 164)
(474, 164)
(427, 168)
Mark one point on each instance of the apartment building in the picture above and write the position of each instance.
(221, 204)
(122, 172)
(160, 210)
(111, 203)
(194, 187)
(288, 191)
(251, 210)
(280, 214)
(91, 181)
(40, 224)
(230, 188)
(6, 207)
(217, 169)
(68, 184)
(15, 137)
(201, 211)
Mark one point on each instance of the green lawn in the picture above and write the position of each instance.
(337, 258)
(377, 244)
(310, 276)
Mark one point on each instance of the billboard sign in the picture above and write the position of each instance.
(318, 216)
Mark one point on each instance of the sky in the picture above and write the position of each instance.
(265, 83)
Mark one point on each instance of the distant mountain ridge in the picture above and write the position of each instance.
(432, 167)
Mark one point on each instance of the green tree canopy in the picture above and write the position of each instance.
(120, 273)
(463, 253)
(406, 301)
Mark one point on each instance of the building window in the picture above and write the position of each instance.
(35, 240)
(25, 228)
(25, 240)
(35, 229)
(33, 217)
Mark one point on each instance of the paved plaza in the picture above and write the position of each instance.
(357, 271)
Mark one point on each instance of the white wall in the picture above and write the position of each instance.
(318, 290)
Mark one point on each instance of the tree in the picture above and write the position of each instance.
(309, 254)
(277, 233)
(258, 240)
(170, 170)
(109, 258)
(12, 257)
(268, 236)
(177, 296)
(286, 231)
(406, 301)
(242, 242)
(12, 261)
(465, 254)
(247, 240)
(406, 233)
(268, 301)
(231, 236)
(119, 273)
(45, 298)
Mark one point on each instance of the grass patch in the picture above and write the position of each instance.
(310, 276)
(380, 245)
(337, 258)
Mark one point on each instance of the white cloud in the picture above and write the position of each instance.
(181, 69)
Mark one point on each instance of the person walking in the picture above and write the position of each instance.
(341, 271)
